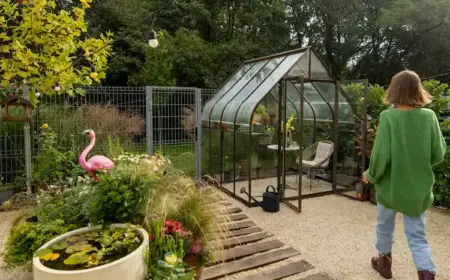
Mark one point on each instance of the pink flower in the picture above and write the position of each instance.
(197, 246)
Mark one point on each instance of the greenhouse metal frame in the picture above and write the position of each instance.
(299, 91)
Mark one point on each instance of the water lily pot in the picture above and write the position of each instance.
(130, 267)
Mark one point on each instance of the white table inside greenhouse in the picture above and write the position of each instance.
(287, 149)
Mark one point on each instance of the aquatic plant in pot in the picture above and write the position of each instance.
(115, 252)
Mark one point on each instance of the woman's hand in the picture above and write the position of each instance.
(365, 179)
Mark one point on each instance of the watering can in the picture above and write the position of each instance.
(270, 202)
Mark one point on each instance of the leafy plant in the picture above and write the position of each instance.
(26, 238)
(167, 237)
(438, 91)
(53, 163)
(90, 249)
(261, 110)
(68, 204)
(171, 268)
(114, 148)
(180, 199)
(122, 196)
(42, 54)
(441, 190)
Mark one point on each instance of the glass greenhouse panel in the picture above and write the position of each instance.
(318, 71)
(224, 89)
(246, 110)
(234, 90)
(327, 90)
(310, 92)
(293, 95)
(322, 111)
(265, 73)
(301, 67)
(346, 114)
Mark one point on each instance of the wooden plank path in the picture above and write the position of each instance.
(248, 247)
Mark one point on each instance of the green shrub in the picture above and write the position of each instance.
(54, 162)
(66, 204)
(122, 196)
(441, 190)
(26, 238)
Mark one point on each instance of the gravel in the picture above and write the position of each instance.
(7, 219)
(337, 236)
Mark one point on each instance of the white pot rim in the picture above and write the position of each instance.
(37, 263)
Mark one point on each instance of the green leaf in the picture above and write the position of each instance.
(60, 246)
(43, 252)
(76, 259)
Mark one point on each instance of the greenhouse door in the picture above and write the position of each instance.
(290, 149)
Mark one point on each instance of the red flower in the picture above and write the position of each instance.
(152, 237)
(172, 227)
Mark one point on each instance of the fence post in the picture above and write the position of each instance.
(198, 134)
(149, 119)
(27, 143)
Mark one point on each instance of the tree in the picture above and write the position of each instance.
(49, 49)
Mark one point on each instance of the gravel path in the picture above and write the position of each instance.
(337, 236)
(7, 219)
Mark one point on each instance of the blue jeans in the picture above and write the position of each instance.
(415, 234)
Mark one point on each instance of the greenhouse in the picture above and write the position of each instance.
(282, 121)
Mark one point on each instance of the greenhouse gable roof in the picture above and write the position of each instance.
(236, 100)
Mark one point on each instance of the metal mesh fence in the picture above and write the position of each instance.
(140, 119)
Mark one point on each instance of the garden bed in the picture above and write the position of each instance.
(147, 191)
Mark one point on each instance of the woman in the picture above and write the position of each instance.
(409, 143)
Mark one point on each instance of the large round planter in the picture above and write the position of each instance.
(130, 267)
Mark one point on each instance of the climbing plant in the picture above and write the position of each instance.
(49, 49)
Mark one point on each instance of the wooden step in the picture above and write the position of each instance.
(248, 263)
(232, 210)
(247, 250)
(238, 217)
(280, 272)
(244, 231)
(232, 226)
(240, 225)
(242, 240)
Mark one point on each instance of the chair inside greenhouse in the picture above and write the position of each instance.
(257, 126)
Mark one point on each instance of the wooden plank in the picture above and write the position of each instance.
(317, 277)
(248, 263)
(244, 231)
(247, 250)
(238, 217)
(241, 225)
(238, 225)
(236, 233)
(281, 272)
(242, 240)
(233, 210)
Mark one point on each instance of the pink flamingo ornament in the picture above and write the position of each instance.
(95, 163)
